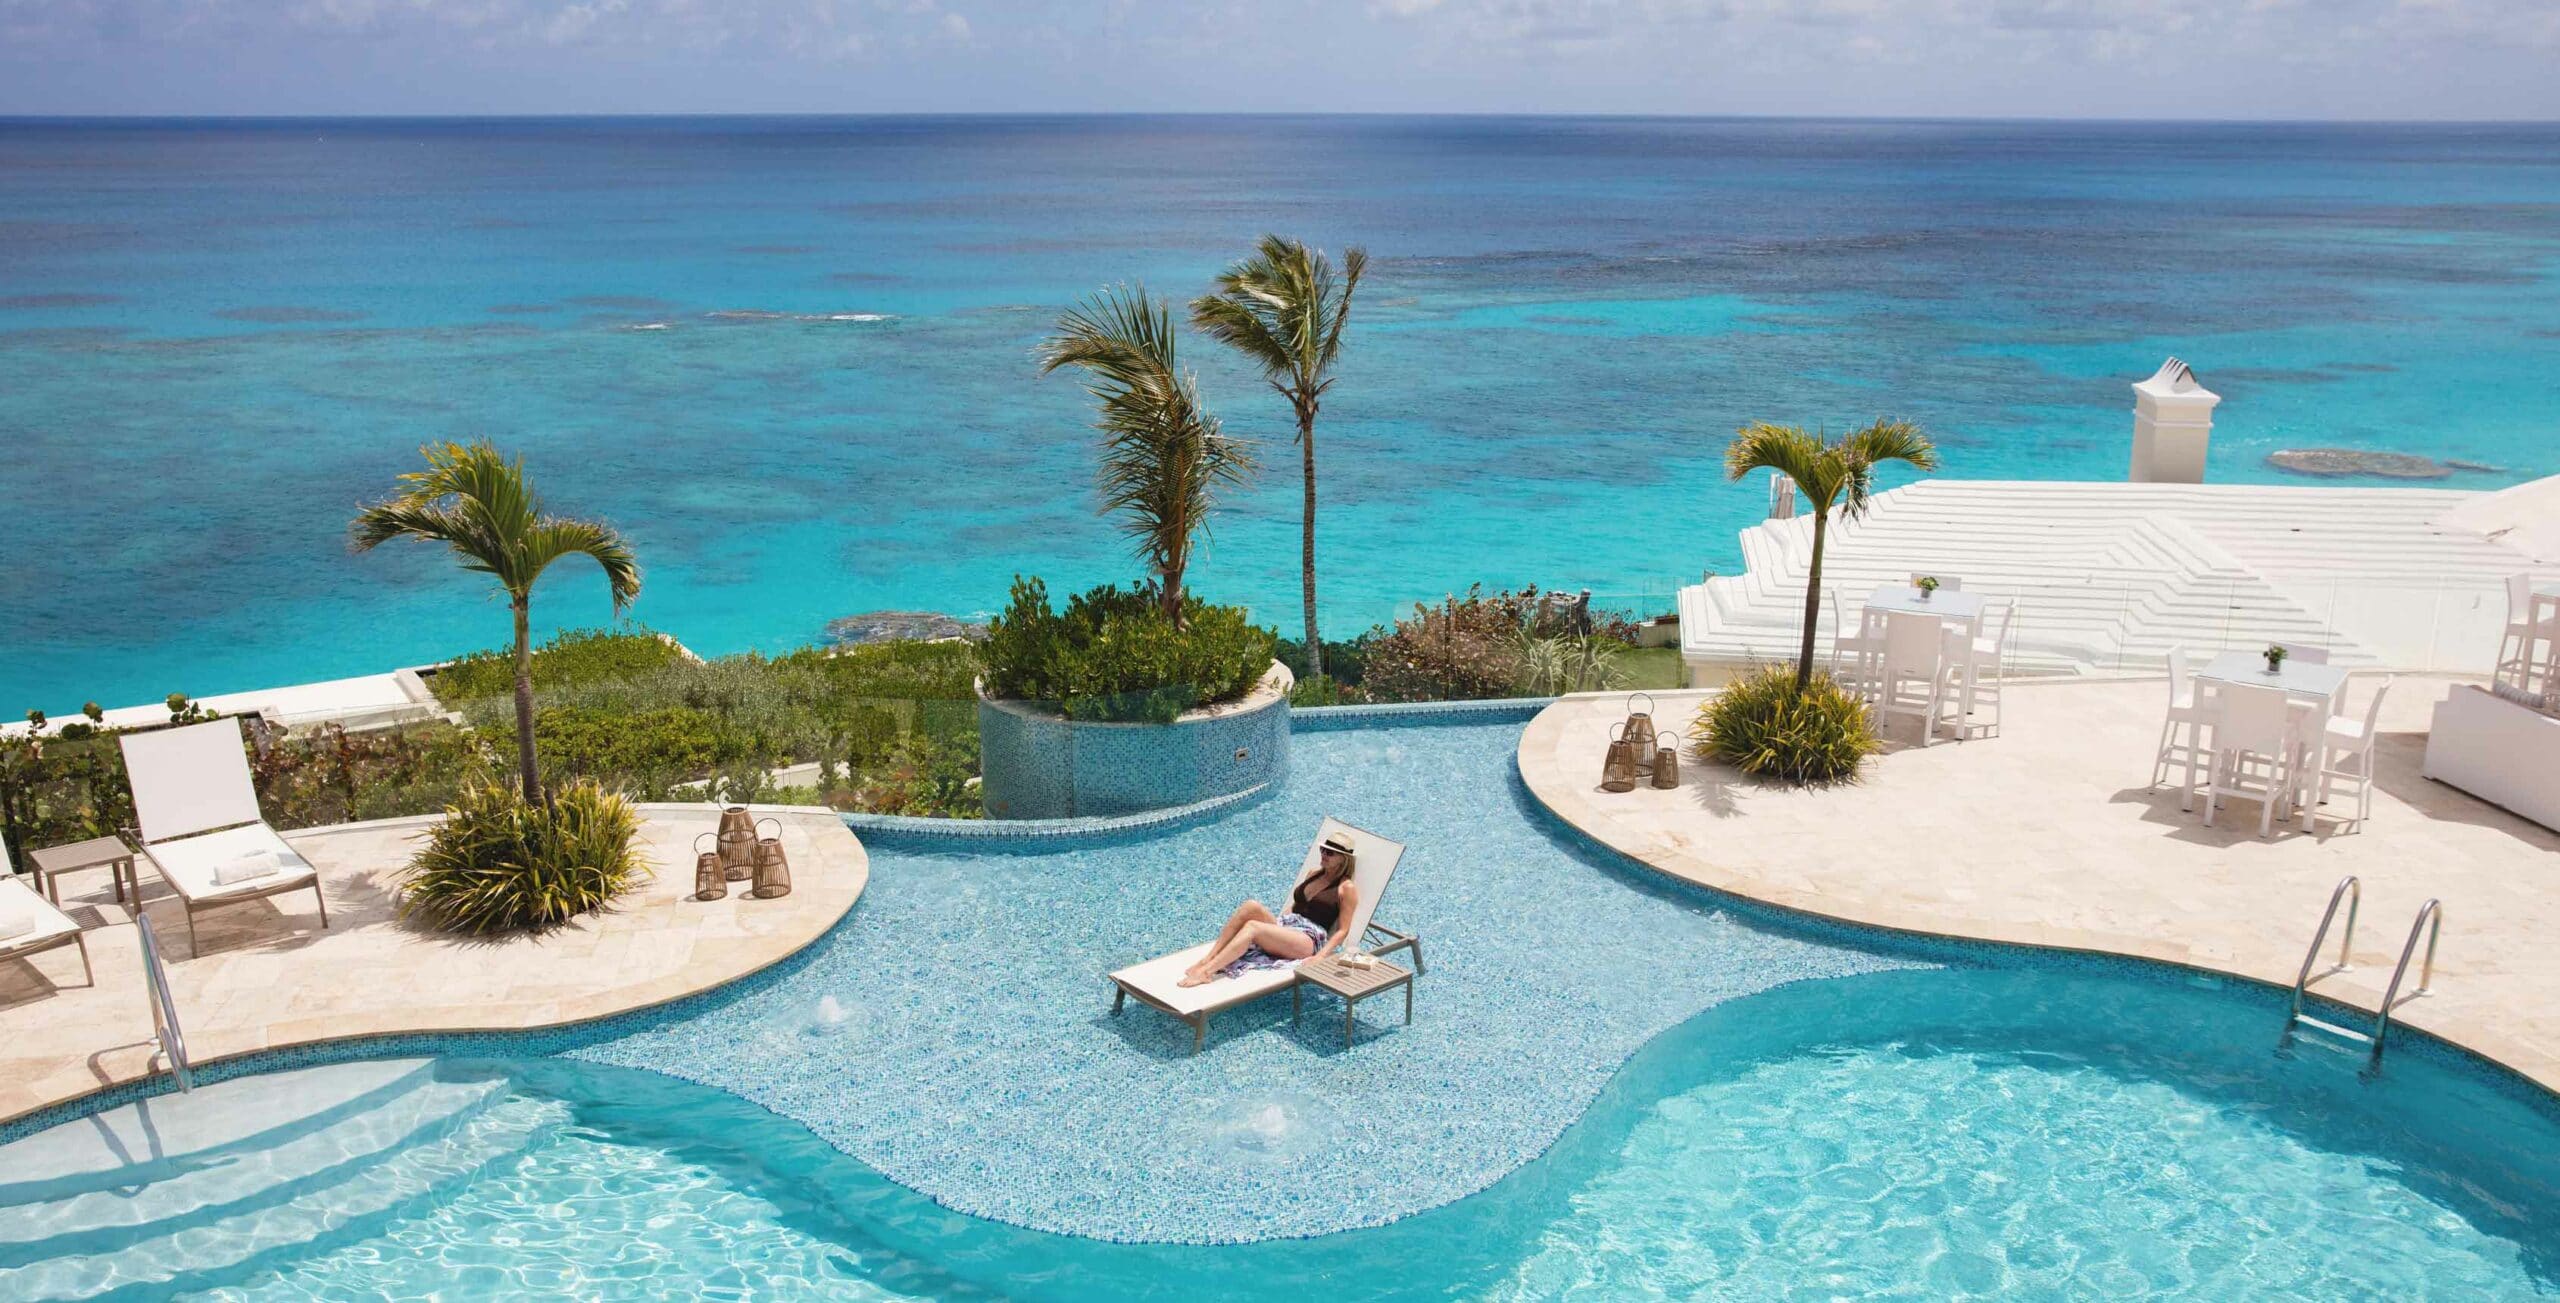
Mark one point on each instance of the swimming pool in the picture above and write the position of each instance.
(1613, 1087)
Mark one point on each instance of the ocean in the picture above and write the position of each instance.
(791, 357)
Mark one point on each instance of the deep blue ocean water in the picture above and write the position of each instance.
(791, 357)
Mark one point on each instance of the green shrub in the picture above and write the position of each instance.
(499, 863)
(1462, 649)
(1760, 725)
(573, 657)
(1112, 655)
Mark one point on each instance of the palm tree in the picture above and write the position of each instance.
(1826, 473)
(1284, 311)
(1163, 456)
(477, 503)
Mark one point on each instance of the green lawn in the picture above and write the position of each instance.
(1651, 667)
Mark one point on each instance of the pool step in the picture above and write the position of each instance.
(213, 1225)
(2333, 1029)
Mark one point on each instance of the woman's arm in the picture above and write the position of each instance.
(1350, 902)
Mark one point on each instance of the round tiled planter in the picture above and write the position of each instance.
(1041, 765)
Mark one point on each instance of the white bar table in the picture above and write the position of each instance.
(1943, 605)
(2314, 688)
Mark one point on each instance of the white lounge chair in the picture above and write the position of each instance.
(1158, 981)
(200, 824)
(30, 925)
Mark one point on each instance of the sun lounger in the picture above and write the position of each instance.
(30, 925)
(200, 824)
(1158, 981)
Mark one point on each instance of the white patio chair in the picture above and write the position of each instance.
(2255, 742)
(2182, 728)
(2515, 646)
(1858, 647)
(1914, 654)
(31, 925)
(1980, 654)
(2342, 753)
(199, 824)
(2307, 653)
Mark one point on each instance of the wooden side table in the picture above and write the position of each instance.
(1353, 985)
(109, 853)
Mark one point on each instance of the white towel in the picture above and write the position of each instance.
(243, 868)
(14, 924)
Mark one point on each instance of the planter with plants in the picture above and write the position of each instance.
(1139, 699)
(2275, 654)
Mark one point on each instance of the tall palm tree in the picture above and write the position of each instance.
(1163, 456)
(1827, 474)
(478, 504)
(1284, 310)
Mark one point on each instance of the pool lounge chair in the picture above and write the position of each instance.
(200, 825)
(1157, 981)
(30, 925)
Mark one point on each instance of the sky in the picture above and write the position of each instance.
(2253, 59)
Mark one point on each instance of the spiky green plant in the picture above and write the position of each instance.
(501, 863)
(482, 508)
(1284, 310)
(1768, 727)
(1164, 458)
(1827, 474)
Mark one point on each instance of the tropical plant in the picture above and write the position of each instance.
(499, 862)
(1163, 456)
(480, 506)
(1284, 310)
(1768, 726)
(1827, 474)
(1553, 666)
(1114, 654)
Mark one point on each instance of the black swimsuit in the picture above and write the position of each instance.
(1324, 911)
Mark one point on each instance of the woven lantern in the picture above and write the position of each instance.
(773, 868)
(709, 883)
(1639, 729)
(737, 843)
(1618, 768)
(1666, 761)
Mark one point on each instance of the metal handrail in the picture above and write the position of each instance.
(2431, 921)
(2354, 892)
(164, 1010)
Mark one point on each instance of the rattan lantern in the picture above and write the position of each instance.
(1639, 729)
(1666, 761)
(1618, 768)
(709, 882)
(737, 843)
(773, 868)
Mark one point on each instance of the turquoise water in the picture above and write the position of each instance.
(1612, 1088)
(1927, 1134)
(791, 357)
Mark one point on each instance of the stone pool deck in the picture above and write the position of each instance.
(2047, 835)
(269, 977)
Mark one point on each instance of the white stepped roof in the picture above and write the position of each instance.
(2109, 576)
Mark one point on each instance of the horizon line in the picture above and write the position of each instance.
(1206, 114)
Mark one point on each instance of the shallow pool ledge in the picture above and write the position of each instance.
(271, 978)
(2045, 836)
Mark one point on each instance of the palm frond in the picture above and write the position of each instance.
(1164, 457)
(1284, 310)
(554, 537)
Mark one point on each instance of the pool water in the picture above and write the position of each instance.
(1943, 1133)
(1613, 1088)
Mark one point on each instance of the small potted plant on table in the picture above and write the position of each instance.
(2275, 653)
(1928, 586)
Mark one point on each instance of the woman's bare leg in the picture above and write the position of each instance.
(1246, 915)
(1284, 942)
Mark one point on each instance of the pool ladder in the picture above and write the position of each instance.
(2430, 921)
(168, 1043)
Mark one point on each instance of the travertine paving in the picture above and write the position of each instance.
(269, 976)
(2048, 835)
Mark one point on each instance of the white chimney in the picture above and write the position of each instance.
(2172, 424)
